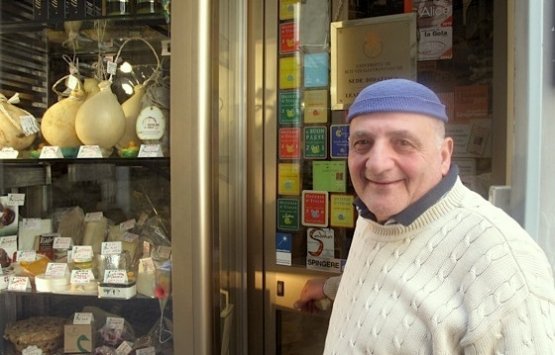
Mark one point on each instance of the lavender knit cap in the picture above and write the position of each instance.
(397, 95)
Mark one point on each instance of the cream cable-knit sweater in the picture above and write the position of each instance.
(463, 278)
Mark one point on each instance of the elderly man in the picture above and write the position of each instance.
(433, 267)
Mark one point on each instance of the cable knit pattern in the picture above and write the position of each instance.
(463, 278)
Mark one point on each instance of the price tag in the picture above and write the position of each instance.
(89, 151)
(18, 283)
(148, 265)
(81, 276)
(9, 244)
(8, 153)
(56, 269)
(62, 243)
(124, 348)
(130, 237)
(72, 82)
(29, 124)
(26, 255)
(82, 252)
(127, 225)
(93, 216)
(31, 350)
(16, 200)
(111, 67)
(51, 152)
(166, 48)
(111, 248)
(118, 277)
(115, 323)
(163, 251)
(150, 151)
(31, 223)
(146, 351)
(82, 318)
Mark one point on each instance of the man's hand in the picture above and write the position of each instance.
(311, 297)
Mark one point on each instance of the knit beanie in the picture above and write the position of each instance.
(397, 95)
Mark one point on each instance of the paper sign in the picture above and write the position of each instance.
(290, 143)
(320, 242)
(89, 151)
(93, 216)
(8, 153)
(29, 124)
(32, 350)
(111, 248)
(62, 243)
(288, 9)
(339, 141)
(81, 276)
(289, 72)
(288, 210)
(146, 351)
(329, 176)
(325, 264)
(56, 269)
(315, 106)
(315, 208)
(82, 318)
(342, 211)
(26, 255)
(18, 283)
(9, 244)
(289, 107)
(51, 152)
(284, 244)
(288, 38)
(115, 323)
(115, 277)
(150, 151)
(147, 265)
(125, 348)
(316, 70)
(315, 139)
(289, 179)
(82, 252)
(16, 199)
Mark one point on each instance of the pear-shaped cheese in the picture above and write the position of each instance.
(58, 122)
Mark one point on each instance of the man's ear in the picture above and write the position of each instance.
(446, 153)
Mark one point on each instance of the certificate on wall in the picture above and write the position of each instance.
(369, 50)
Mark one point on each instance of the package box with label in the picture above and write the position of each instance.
(78, 338)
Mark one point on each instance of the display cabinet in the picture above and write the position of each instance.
(85, 237)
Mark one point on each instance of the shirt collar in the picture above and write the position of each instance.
(412, 212)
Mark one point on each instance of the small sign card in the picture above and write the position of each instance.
(315, 139)
(150, 151)
(289, 143)
(62, 243)
(56, 269)
(289, 107)
(329, 175)
(82, 318)
(8, 153)
(82, 252)
(16, 200)
(18, 283)
(51, 152)
(26, 255)
(116, 277)
(284, 244)
(125, 348)
(89, 151)
(315, 208)
(81, 276)
(342, 211)
(289, 179)
(339, 140)
(289, 211)
(93, 216)
(111, 248)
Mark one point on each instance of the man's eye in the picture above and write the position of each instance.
(361, 145)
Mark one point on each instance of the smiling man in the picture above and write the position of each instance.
(433, 267)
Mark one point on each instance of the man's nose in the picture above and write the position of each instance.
(379, 157)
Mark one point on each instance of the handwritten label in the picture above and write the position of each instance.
(51, 152)
(147, 265)
(89, 151)
(111, 67)
(124, 348)
(111, 248)
(9, 244)
(127, 225)
(31, 350)
(16, 200)
(163, 251)
(72, 81)
(79, 277)
(8, 153)
(93, 216)
(115, 277)
(62, 243)
(82, 252)
(115, 323)
(82, 318)
(150, 151)
(26, 255)
(56, 269)
(146, 351)
(18, 283)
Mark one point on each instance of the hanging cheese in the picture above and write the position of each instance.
(131, 108)
(58, 122)
(11, 130)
